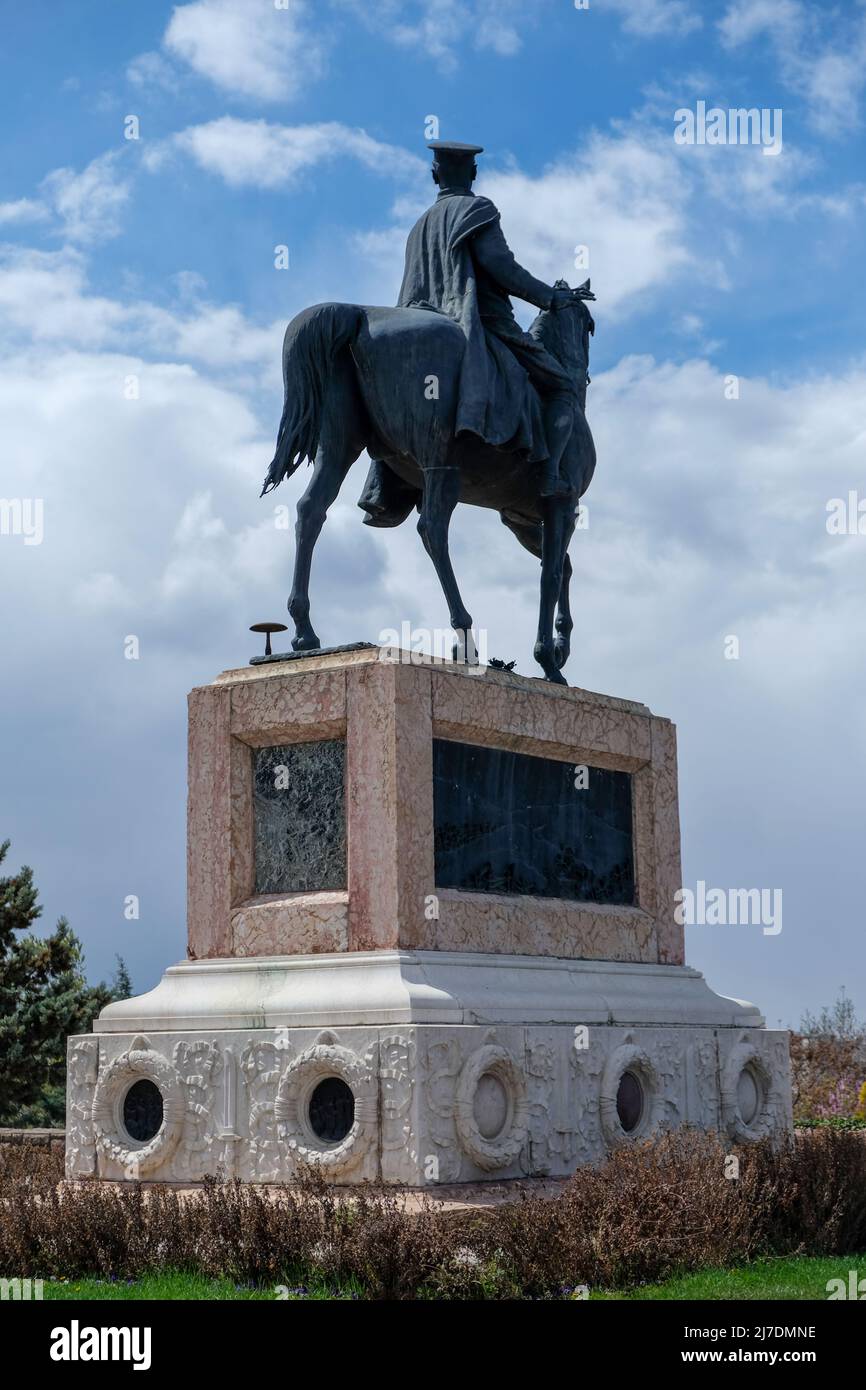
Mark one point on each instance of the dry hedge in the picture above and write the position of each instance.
(649, 1211)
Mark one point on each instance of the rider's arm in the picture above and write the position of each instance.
(491, 251)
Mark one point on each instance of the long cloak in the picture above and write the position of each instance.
(496, 401)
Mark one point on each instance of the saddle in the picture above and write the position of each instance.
(388, 499)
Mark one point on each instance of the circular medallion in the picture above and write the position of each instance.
(747, 1090)
(139, 1107)
(327, 1107)
(492, 1111)
(630, 1100)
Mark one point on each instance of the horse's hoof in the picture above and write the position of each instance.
(560, 654)
(546, 658)
(464, 656)
(306, 644)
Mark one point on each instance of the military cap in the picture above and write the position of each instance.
(454, 148)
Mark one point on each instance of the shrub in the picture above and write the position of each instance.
(820, 1200)
(828, 1064)
(649, 1211)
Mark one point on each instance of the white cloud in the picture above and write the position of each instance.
(123, 479)
(258, 154)
(623, 199)
(250, 48)
(22, 210)
(497, 29)
(744, 20)
(100, 592)
(257, 51)
(821, 55)
(741, 181)
(218, 335)
(833, 82)
(153, 70)
(254, 50)
(652, 18)
(85, 206)
(89, 204)
(45, 297)
(42, 297)
(443, 30)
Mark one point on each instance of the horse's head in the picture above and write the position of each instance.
(566, 333)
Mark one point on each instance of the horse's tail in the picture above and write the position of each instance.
(313, 338)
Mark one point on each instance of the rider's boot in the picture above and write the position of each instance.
(386, 499)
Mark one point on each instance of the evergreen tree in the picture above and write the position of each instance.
(44, 997)
(121, 987)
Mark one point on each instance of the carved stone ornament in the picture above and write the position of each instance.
(327, 1059)
(746, 1057)
(140, 1062)
(629, 1057)
(499, 1150)
(81, 1073)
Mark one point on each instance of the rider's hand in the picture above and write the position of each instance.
(563, 298)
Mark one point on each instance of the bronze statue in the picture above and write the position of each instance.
(453, 401)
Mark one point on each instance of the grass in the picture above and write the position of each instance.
(779, 1279)
(846, 1122)
(175, 1285)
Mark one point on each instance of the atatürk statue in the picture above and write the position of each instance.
(453, 401)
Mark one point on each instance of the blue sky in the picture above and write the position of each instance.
(304, 126)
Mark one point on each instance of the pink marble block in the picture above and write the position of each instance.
(209, 823)
(389, 711)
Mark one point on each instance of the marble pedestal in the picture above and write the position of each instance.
(394, 970)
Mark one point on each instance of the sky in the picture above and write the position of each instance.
(154, 157)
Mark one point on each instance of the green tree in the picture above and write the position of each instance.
(121, 986)
(44, 997)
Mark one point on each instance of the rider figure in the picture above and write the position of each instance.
(458, 262)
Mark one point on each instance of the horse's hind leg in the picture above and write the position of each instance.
(332, 464)
(341, 440)
(441, 495)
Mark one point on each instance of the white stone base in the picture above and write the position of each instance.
(463, 1067)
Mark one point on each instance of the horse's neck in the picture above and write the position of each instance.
(578, 370)
(548, 330)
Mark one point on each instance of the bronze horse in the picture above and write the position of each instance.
(354, 379)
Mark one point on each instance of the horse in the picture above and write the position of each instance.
(354, 378)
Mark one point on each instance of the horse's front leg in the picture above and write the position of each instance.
(441, 495)
(564, 623)
(329, 470)
(556, 532)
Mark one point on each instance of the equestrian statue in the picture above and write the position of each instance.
(453, 401)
